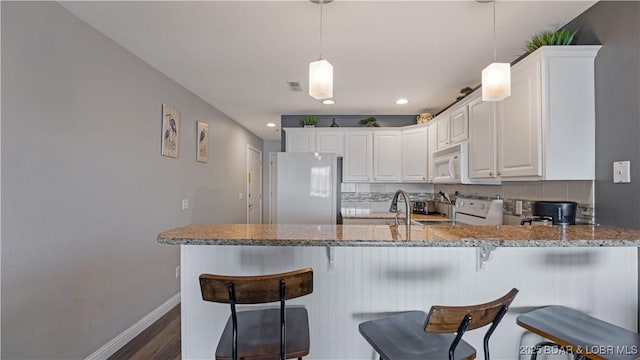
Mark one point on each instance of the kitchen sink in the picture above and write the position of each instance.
(433, 222)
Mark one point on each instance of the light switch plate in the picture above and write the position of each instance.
(185, 204)
(622, 172)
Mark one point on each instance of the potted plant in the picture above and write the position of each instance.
(560, 37)
(309, 121)
(370, 121)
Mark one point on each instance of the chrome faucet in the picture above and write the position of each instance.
(394, 206)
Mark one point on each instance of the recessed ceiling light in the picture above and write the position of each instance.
(328, 102)
(402, 101)
(271, 124)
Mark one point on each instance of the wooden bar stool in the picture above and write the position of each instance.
(267, 334)
(580, 334)
(438, 335)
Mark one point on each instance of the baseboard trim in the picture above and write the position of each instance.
(124, 337)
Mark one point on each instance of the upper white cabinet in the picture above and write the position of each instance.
(415, 153)
(301, 140)
(327, 140)
(387, 150)
(432, 146)
(547, 126)
(482, 139)
(459, 127)
(453, 125)
(330, 141)
(443, 128)
(546, 129)
(356, 165)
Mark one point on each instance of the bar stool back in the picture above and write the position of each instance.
(254, 334)
(437, 335)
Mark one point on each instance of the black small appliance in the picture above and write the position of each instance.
(558, 212)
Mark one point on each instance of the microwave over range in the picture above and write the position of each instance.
(451, 166)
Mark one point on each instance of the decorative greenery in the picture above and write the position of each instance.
(370, 121)
(309, 120)
(464, 91)
(560, 37)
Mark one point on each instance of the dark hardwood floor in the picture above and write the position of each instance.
(161, 340)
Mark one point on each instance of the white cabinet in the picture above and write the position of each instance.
(482, 140)
(356, 165)
(301, 140)
(415, 153)
(520, 124)
(459, 127)
(432, 146)
(453, 125)
(546, 129)
(330, 141)
(327, 140)
(387, 150)
(547, 126)
(444, 131)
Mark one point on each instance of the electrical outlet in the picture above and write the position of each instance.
(622, 172)
(518, 207)
(239, 196)
(185, 204)
(177, 271)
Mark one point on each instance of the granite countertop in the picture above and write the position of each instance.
(398, 236)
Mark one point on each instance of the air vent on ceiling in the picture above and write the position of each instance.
(294, 85)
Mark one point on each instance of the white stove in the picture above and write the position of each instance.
(470, 211)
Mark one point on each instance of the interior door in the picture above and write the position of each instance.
(254, 186)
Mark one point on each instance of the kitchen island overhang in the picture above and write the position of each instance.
(400, 236)
(382, 269)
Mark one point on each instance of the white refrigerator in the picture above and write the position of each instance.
(308, 188)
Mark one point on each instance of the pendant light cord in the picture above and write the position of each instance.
(495, 58)
(321, 2)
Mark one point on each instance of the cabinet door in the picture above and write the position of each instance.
(330, 142)
(301, 140)
(432, 145)
(414, 154)
(459, 125)
(357, 156)
(520, 125)
(444, 132)
(387, 150)
(482, 139)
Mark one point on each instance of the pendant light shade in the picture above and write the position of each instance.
(496, 78)
(496, 81)
(321, 79)
(321, 71)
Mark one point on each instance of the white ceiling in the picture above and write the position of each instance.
(238, 55)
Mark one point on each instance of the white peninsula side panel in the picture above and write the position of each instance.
(370, 282)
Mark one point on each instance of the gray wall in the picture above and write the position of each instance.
(85, 190)
(616, 25)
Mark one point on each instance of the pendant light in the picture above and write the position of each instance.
(496, 78)
(321, 71)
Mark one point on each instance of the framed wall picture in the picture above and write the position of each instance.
(170, 131)
(202, 137)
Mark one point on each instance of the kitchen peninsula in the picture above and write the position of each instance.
(363, 272)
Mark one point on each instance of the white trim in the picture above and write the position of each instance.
(124, 337)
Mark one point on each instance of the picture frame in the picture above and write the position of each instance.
(170, 131)
(202, 141)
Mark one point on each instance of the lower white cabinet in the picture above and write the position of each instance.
(415, 154)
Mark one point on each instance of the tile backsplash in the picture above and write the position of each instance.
(376, 197)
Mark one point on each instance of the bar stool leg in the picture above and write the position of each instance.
(540, 345)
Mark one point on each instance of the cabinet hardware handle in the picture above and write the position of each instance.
(499, 173)
(490, 173)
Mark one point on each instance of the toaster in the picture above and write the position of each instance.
(420, 207)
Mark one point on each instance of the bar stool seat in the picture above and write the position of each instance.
(581, 334)
(437, 335)
(402, 337)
